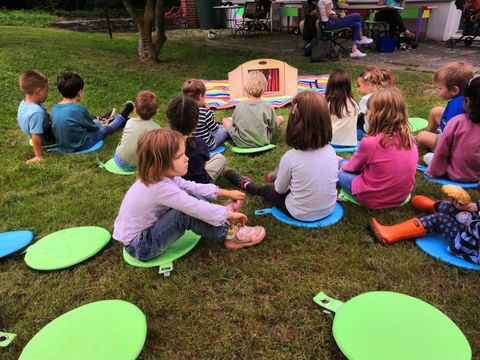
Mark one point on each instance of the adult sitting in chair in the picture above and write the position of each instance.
(330, 20)
(393, 18)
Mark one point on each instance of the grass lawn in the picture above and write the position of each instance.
(254, 303)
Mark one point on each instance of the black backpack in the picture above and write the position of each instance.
(322, 50)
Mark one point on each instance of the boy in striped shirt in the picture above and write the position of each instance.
(207, 128)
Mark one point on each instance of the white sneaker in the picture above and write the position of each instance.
(364, 41)
(357, 54)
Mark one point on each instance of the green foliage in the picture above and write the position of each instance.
(26, 18)
(254, 303)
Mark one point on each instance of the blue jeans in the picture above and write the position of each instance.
(106, 130)
(121, 164)
(220, 135)
(154, 241)
(353, 21)
(345, 178)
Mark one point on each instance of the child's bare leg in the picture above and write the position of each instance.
(227, 122)
(427, 139)
(279, 120)
(434, 118)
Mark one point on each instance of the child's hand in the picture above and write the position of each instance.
(236, 195)
(34, 160)
(236, 217)
(464, 217)
(227, 122)
(471, 207)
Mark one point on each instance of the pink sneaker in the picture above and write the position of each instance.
(245, 236)
(234, 205)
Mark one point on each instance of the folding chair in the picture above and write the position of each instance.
(337, 37)
(251, 24)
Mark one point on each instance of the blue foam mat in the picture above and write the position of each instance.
(435, 246)
(218, 150)
(12, 241)
(95, 147)
(340, 148)
(444, 181)
(333, 218)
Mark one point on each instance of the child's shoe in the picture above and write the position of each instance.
(234, 177)
(127, 109)
(234, 205)
(240, 237)
(424, 203)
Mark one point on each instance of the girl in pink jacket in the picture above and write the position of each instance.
(381, 174)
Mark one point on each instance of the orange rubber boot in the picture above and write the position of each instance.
(387, 235)
(424, 203)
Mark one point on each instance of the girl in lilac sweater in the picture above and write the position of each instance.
(381, 174)
(160, 206)
(457, 153)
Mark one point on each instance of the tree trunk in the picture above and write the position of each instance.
(153, 18)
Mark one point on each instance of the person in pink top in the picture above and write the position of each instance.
(457, 154)
(381, 174)
(160, 206)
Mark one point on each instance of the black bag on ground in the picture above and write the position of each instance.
(322, 50)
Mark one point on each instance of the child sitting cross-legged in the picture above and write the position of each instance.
(73, 126)
(458, 223)
(254, 122)
(450, 82)
(160, 206)
(305, 184)
(343, 108)
(33, 118)
(381, 174)
(146, 105)
(207, 127)
(182, 114)
(457, 154)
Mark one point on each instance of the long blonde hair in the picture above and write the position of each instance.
(387, 114)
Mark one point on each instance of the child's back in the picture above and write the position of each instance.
(457, 154)
(313, 193)
(343, 108)
(72, 124)
(33, 119)
(146, 105)
(388, 174)
(254, 124)
(127, 148)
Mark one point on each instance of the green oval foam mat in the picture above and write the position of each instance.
(385, 325)
(239, 150)
(111, 166)
(165, 261)
(345, 196)
(417, 124)
(103, 330)
(67, 247)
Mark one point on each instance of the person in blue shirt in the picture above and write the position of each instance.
(393, 18)
(450, 81)
(33, 118)
(72, 125)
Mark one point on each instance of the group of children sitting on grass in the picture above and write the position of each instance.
(176, 171)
